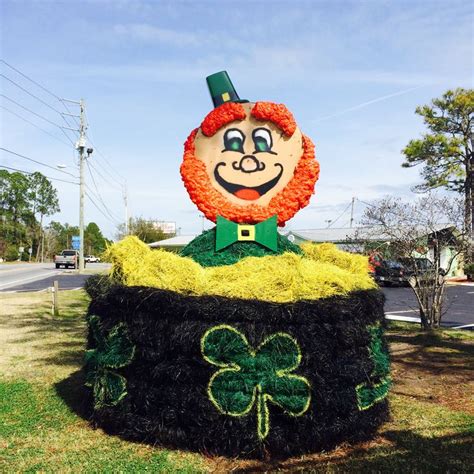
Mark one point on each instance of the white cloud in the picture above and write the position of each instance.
(150, 33)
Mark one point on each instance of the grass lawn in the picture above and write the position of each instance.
(43, 410)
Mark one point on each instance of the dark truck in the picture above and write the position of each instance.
(401, 272)
(68, 258)
(390, 272)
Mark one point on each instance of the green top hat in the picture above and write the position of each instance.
(221, 89)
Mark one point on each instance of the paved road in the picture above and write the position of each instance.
(459, 308)
(39, 276)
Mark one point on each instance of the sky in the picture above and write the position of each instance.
(352, 73)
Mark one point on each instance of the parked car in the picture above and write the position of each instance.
(423, 268)
(67, 258)
(91, 259)
(390, 272)
(403, 272)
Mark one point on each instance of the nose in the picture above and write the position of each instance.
(250, 164)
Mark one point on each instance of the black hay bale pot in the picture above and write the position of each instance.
(237, 377)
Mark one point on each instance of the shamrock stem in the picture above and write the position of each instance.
(263, 417)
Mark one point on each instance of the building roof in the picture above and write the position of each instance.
(355, 234)
(330, 234)
(178, 241)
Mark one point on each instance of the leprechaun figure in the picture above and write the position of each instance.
(230, 354)
(248, 168)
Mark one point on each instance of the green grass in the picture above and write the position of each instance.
(439, 334)
(44, 410)
(40, 433)
(43, 413)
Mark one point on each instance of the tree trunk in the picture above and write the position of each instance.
(468, 207)
(38, 247)
(420, 296)
(40, 241)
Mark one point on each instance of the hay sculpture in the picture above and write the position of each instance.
(245, 344)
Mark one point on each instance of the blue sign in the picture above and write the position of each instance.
(76, 242)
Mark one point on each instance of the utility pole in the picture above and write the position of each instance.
(125, 201)
(81, 145)
(352, 211)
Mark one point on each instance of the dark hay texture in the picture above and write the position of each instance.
(237, 377)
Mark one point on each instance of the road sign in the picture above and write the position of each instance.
(30, 250)
(76, 242)
(21, 249)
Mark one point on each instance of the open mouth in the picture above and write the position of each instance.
(244, 192)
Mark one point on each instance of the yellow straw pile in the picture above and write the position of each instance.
(321, 272)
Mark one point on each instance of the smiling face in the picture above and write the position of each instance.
(248, 162)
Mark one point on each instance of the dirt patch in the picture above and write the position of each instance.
(433, 369)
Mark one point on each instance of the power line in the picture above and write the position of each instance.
(36, 126)
(99, 195)
(366, 203)
(100, 210)
(74, 117)
(32, 172)
(82, 127)
(31, 80)
(31, 111)
(37, 162)
(111, 217)
(41, 87)
(41, 116)
(121, 180)
(42, 101)
(340, 215)
(30, 93)
(105, 179)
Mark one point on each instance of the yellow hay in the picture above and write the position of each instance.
(329, 253)
(321, 272)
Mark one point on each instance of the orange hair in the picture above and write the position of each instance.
(276, 113)
(222, 115)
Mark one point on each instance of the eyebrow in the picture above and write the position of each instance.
(221, 116)
(277, 114)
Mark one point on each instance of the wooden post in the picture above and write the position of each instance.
(55, 298)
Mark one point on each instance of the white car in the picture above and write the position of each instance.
(91, 259)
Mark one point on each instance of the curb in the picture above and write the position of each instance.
(460, 283)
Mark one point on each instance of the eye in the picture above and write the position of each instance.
(262, 139)
(234, 140)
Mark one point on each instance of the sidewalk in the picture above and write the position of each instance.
(459, 281)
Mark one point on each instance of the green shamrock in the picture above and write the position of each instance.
(112, 352)
(369, 393)
(247, 376)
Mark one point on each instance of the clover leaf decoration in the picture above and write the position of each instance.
(378, 385)
(247, 377)
(113, 351)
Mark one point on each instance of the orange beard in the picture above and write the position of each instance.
(284, 205)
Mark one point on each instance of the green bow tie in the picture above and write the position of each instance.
(264, 233)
